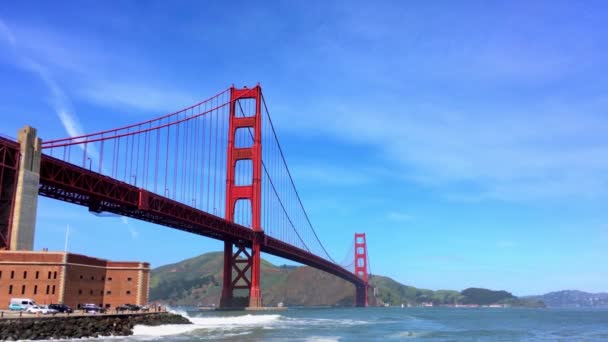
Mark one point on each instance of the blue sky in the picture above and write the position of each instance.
(467, 140)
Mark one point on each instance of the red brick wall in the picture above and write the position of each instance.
(84, 284)
(87, 279)
(39, 257)
(27, 280)
(86, 260)
(144, 284)
(121, 287)
(24, 278)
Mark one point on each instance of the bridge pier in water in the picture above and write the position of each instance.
(360, 296)
(240, 268)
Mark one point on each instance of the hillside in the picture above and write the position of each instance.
(573, 298)
(393, 293)
(197, 282)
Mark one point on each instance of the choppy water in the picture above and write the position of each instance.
(387, 324)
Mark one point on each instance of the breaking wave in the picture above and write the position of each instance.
(208, 323)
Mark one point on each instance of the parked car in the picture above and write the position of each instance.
(39, 309)
(23, 302)
(128, 307)
(47, 310)
(92, 308)
(16, 307)
(61, 308)
(123, 308)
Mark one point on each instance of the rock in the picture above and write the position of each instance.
(81, 326)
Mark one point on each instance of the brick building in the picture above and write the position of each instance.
(72, 279)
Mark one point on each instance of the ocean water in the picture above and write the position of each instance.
(386, 324)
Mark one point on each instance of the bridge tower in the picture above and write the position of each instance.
(19, 180)
(238, 263)
(361, 269)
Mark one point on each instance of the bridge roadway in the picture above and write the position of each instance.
(74, 184)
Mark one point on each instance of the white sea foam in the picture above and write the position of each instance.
(209, 323)
(323, 339)
(324, 321)
(163, 330)
(178, 312)
(408, 334)
(234, 321)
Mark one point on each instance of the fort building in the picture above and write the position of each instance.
(72, 279)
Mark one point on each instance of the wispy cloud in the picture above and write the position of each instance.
(115, 80)
(331, 174)
(6, 34)
(132, 230)
(505, 244)
(58, 98)
(500, 114)
(138, 95)
(399, 216)
(554, 150)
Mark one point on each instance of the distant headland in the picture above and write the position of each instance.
(197, 282)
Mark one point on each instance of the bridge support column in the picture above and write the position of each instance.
(26, 196)
(255, 294)
(361, 296)
(238, 290)
(226, 297)
(251, 122)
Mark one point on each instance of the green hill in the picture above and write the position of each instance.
(197, 282)
(393, 293)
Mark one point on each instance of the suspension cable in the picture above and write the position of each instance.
(292, 182)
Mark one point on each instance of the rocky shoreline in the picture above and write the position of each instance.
(44, 328)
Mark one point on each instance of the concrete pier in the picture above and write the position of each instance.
(26, 197)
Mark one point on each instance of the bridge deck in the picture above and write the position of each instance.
(74, 184)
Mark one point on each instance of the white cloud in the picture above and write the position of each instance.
(505, 244)
(399, 216)
(537, 152)
(331, 174)
(132, 230)
(6, 34)
(136, 95)
(434, 105)
(69, 123)
(59, 101)
(117, 79)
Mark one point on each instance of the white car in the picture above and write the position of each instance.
(34, 309)
(47, 310)
(40, 309)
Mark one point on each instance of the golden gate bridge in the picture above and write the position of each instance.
(214, 169)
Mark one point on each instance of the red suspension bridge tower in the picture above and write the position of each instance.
(361, 267)
(240, 262)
